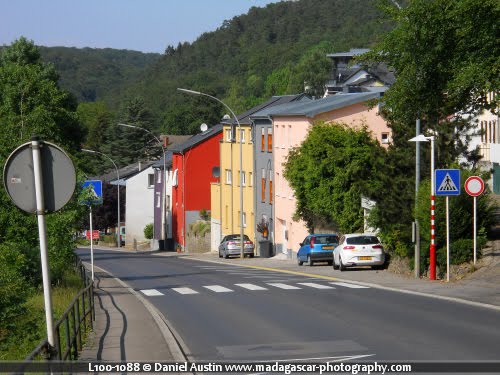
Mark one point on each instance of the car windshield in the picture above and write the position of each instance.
(362, 240)
(327, 239)
(237, 237)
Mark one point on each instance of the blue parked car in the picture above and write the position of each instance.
(317, 248)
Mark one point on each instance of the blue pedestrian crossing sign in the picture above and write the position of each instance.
(447, 182)
(92, 192)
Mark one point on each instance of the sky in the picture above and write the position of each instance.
(140, 25)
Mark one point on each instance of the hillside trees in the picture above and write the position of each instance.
(333, 168)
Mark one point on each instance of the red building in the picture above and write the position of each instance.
(193, 162)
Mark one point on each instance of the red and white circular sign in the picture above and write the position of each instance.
(474, 186)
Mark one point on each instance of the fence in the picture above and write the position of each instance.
(71, 326)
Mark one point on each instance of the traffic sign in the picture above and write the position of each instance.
(447, 182)
(474, 186)
(94, 192)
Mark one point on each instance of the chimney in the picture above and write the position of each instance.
(140, 166)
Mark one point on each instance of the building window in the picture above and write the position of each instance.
(167, 203)
(228, 135)
(158, 180)
(385, 138)
(250, 179)
(158, 200)
(151, 180)
(262, 140)
(244, 220)
(271, 187)
(269, 139)
(263, 185)
(242, 135)
(229, 177)
(243, 178)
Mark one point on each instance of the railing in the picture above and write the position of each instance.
(71, 326)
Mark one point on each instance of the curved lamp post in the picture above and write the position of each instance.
(117, 186)
(163, 236)
(192, 92)
(432, 249)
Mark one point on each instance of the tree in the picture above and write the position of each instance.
(32, 103)
(333, 168)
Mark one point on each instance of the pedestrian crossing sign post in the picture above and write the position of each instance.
(447, 182)
(92, 195)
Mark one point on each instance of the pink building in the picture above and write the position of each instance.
(291, 124)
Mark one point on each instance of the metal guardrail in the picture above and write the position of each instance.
(72, 325)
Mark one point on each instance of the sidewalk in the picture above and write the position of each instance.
(126, 327)
(129, 328)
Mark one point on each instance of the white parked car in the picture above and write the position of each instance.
(358, 249)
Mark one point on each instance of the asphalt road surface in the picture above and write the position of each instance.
(231, 313)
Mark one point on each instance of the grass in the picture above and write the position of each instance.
(29, 329)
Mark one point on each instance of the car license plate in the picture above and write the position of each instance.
(365, 258)
(327, 247)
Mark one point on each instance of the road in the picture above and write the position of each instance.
(226, 312)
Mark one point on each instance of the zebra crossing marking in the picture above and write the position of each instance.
(348, 285)
(317, 286)
(283, 286)
(151, 292)
(251, 286)
(184, 290)
(218, 288)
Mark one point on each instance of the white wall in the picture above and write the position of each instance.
(139, 209)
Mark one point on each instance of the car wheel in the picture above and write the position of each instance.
(330, 262)
(225, 254)
(335, 267)
(341, 265)
(299, 262)
(220, 255)
(251, 255)
(309, 261)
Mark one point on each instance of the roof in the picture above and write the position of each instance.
(168, 161)
(125, 172)
(351, 53)
(245, 117)
(196, 139)
(314, 107)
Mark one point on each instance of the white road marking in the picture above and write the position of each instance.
(184, 290)
(348, 285)
(218, 288)
(317, 286)
(152, 292)
(251, 286)
(283, 286)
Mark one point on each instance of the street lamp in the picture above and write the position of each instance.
(192, 92)
(432, 248)
(117, 186)
(163, 179)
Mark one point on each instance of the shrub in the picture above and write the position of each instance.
(109, 238)
(199, 228)
(461, 251)
(148, 231)
(204, 214)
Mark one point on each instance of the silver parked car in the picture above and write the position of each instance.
(358, 249)
(230, 245)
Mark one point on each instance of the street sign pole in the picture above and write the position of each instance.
(42, 232)
(474, 186)
(447, 238)
(91, 244)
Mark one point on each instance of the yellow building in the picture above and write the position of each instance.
(226, 208)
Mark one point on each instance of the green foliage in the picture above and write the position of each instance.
(333, 168)
(199, 228)
(148, 231)
(204, 214)
(461, 251)
(396, 243)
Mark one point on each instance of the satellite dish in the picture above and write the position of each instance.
(204, 127)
